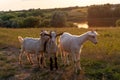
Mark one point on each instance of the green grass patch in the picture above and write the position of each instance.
(99, 62)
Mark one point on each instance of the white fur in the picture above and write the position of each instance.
(51, 49)
(51, 46)
(72, 44)
(32, 46)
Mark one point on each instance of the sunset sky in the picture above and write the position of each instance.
(6, 5)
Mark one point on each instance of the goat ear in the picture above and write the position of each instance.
(94, 31)
(41, 32)
(59, 34)
(47, 34)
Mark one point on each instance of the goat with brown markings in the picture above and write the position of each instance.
(51, 49)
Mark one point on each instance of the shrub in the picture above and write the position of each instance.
(45, 23)
(17, 22)
(118, 22)
(31, 21)
(70, 24)
(58, 19)
(7, 17)
(1, 22)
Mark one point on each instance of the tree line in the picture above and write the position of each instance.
(103, 15)
(33, 18)
(95, 15)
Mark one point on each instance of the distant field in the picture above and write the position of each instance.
(99, 62)
(8, 37)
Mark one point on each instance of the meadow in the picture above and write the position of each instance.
(98, 62)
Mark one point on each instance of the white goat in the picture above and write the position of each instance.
(51, 49)
(33, 45)
(72, 44)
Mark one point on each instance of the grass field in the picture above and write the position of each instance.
(98, 62)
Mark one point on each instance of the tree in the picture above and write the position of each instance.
(31, 21)
(45, 23)
(118, 23)
(37, 13)
(103, 15)
(7, 17)
(58, 19)
(23, 14)
(16, 22)
(1, 22)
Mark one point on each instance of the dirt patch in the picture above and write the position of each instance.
(29, 72)
(9, 58)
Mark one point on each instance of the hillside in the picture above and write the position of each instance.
(42, 17)
(95, 15)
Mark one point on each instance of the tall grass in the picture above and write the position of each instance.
(99, 62)
(8, 37)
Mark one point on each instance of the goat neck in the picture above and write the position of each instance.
(82, 38)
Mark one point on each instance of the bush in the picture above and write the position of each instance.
(118, 22)
(7, 23)
(70, 24)
(31, 21)
(1, 22)
(45, 23)
(58, 19)
(6, 17)
(17, 22)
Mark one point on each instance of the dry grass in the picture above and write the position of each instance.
(99, 62)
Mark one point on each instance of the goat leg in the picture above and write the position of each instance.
(51, 64)
(56, 65)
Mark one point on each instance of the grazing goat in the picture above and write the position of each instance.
(51, 49)
(33, 45)
(72, 44)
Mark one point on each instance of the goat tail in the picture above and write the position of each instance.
(20, 39)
